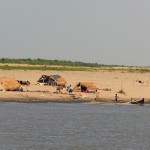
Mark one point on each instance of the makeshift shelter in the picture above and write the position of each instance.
(85, 87)
(43, 79)
(9, 84)
(52, 80)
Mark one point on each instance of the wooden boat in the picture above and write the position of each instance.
(138, 102)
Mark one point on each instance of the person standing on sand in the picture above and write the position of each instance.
(116, 97)
(27, 84)
(97, 95)
(79, 89)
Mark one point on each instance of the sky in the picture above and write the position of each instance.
(114, 32)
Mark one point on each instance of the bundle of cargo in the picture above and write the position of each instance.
(9, 84)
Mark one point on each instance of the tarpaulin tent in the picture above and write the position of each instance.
(85, 87)
(59, 80)
(52, 80)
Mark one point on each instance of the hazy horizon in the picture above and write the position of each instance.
(104, 32)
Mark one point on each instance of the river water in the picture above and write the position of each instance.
(75, 126)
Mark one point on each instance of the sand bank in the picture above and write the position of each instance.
(108, 83)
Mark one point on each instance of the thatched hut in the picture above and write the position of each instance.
(9, 84)
(85, 87)
(52, 80)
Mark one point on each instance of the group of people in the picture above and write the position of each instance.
(69, 89)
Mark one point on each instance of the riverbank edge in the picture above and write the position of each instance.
(62, 100)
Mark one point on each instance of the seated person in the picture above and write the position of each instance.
(70, 90)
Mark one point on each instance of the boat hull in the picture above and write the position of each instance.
(138, 102)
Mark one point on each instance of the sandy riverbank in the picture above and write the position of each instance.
(114, 81)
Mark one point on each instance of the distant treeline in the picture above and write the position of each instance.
(62, 65)
(52, 62)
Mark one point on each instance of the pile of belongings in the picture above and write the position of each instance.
(9, 84)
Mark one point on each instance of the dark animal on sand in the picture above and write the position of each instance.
(24, 82)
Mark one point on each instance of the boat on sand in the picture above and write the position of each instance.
(141, 101)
